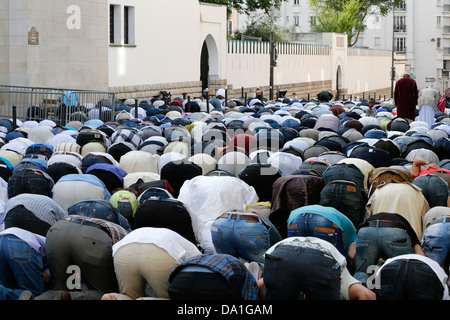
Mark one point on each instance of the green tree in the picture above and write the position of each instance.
(259, 26)
(347, 16)
(247, 6)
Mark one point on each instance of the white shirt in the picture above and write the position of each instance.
(346, 278)
(174, 244)
(208, 197)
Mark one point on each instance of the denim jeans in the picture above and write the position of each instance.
(29, 181)
(314, 225)
(21, 267)
(434, 189)
(346, 198)
(344, 171)
(406, 279)
(436, 240)
(95, 208)
(378, 242)
(240, 238)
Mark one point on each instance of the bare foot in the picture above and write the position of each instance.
(109, 296)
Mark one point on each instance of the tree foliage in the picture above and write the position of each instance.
(259, 26)
(247, 6)
(347, 16)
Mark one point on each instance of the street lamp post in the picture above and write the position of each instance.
(393, 50)
(272, 52)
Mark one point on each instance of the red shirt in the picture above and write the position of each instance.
(431, 170)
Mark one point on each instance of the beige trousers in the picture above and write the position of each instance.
(138, 264)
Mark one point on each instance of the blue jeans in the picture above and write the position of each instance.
(29, 181)
(314, 225)
(346, 198)
(21, 268)
(434, 189)
(240, 238)
(408, 280)
(378, 242)
(436, 240)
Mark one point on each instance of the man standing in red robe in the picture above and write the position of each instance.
(405, 97)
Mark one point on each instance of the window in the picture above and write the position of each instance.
(297, 21)
(400, 44)
(128, 25)
(296, 1)
(401, 6)
(438, 21)
(125, 25)
(230, 26)
(438, 42)
(114, 24)
(111, 24)
(312, 21)
(399, 24)
(377, 41)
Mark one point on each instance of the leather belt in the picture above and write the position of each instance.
(384, 224)
(87, 223)
(240, 216)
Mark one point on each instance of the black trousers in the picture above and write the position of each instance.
(297, 273)
(197, 285)
(165, 213)
(21, 217)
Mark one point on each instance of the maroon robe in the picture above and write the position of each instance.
(405, 98)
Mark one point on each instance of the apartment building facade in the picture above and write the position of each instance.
(417, 31)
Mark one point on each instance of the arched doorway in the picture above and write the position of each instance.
(204, 67)
(338, 82)
(209, 62)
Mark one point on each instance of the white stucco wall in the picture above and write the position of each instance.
(360, 69)
(165, 51)
(250, 69)
(168, 42)
(367, 70)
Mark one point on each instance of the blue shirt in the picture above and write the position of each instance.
(117, 171)
(332, 214)
(87, 178)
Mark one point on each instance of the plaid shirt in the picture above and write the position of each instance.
(43, 207)
(231, 268)
(115, 231)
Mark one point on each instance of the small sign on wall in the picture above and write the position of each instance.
(33, 37)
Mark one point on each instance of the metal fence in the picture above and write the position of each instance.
(56, 104)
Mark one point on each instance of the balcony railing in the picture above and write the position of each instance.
(400, 28)
(400, 49)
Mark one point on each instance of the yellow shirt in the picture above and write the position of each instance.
(403, 198)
